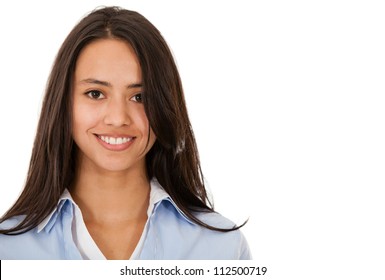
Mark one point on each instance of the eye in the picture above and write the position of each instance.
(95, 94)
(137, 98)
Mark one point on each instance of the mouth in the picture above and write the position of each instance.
(114, 140)
(118, 143)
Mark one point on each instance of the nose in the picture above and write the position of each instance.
(116, 113)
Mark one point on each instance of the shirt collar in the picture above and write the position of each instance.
(157, 195)
(51, 218)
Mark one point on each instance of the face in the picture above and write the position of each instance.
(110, 126)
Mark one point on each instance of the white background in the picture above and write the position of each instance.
(287, 103)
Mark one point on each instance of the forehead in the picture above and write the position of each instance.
(108, 59)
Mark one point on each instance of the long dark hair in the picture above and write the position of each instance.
(173, 159)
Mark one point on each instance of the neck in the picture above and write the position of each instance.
(112, 196)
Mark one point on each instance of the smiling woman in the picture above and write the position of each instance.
(107, 110)
(115, 171)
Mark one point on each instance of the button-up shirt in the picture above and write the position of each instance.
(168, 234)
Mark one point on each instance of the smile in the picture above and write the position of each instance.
(116, 144)
(113, 140)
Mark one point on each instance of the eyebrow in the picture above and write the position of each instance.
(107, 84)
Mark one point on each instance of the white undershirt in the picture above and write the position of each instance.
(87, 246)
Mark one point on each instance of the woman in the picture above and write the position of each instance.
(115, 172)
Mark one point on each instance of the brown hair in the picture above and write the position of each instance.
(173, 159)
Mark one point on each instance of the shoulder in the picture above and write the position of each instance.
(214, 219)
(11, 222)
(11, 246)
(42, 243)
(234, 242)
(181, 238)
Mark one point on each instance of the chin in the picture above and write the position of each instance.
(116, 166)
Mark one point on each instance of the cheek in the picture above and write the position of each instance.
(138, 116)
(142, 123)
(83, 118)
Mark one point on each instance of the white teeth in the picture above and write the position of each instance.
(114, 141)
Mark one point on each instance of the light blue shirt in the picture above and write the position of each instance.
(168, 235)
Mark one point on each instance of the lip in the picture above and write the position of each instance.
(116, 147)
